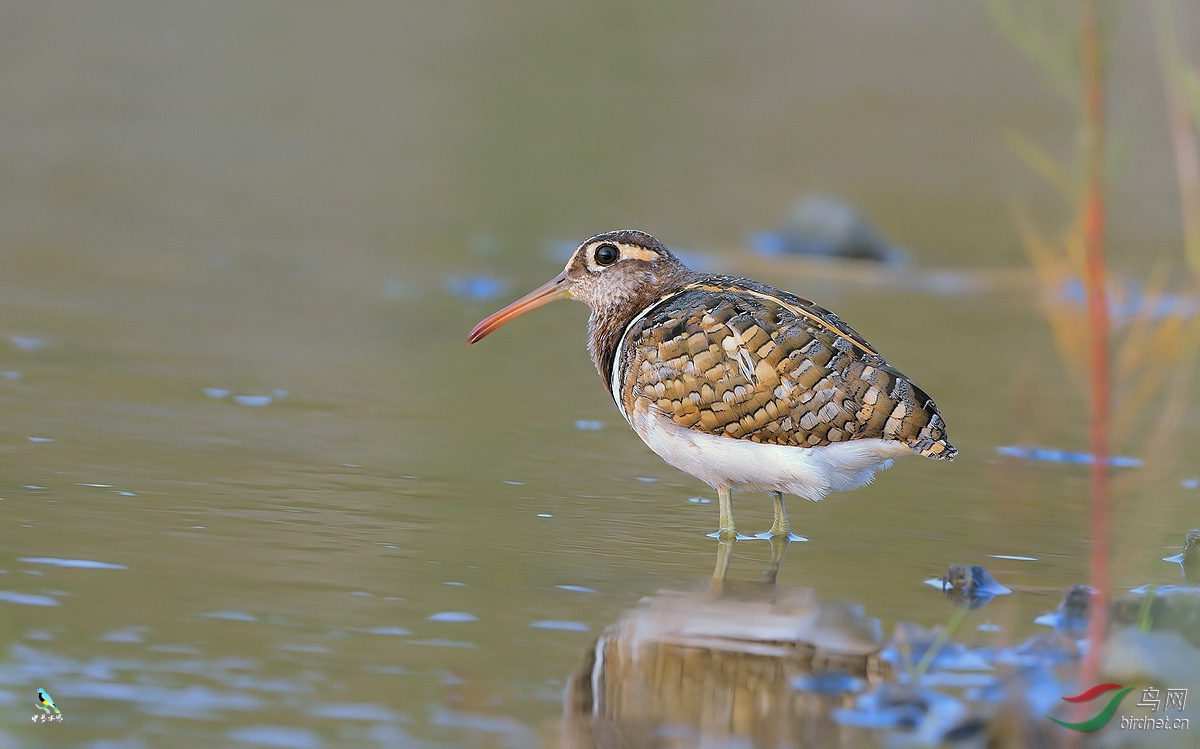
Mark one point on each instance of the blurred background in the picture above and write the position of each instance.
(257, 490)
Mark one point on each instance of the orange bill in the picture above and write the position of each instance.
(551, 291)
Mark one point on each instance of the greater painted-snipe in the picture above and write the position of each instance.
(739, 384)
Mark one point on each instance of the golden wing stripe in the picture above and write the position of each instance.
(800, 311)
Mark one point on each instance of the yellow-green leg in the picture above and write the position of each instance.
(780, 526)
(727, 530)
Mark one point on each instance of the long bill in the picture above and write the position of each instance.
(551, 291)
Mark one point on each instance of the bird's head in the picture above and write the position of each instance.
(608, 272)
(1191, 550)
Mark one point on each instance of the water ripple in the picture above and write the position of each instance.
(453, 616)
(74, 563)
(563, 625)
(26, 599)
(282, 737)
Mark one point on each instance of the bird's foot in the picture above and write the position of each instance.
(729, 534)
(788, 535)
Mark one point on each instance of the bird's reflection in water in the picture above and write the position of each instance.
(779, 547)
(736, 663)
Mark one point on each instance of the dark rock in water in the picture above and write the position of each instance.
(1163, 658)
(974, 727)
(822, 226)
(910, 642)
(970, 586)
(924, 717)
(1018, 706)
(888, 706)
(1047, 649)
(830, 683)
(1172, 608)
(1070, 618)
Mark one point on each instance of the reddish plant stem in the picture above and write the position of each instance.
(1098, 355)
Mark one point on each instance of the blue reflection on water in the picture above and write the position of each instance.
(1029, 452)
(26, 599)
(476, 287)
(75, 563)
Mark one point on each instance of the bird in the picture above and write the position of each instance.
(972, 586)
(1189, 558)
(744, 386)
(44, 703)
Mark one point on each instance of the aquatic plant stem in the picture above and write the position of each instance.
(1095, 276)
(1144, 619)
(939, 643)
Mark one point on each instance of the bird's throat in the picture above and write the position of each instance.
(606, 327)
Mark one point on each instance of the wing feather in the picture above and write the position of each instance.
(738, 359)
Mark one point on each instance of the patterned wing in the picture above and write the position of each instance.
(737, 359)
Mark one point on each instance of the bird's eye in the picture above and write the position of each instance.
(607, 254)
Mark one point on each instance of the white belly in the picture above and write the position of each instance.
(808, 472)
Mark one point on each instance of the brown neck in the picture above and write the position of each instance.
(607, 324)
(604, 335)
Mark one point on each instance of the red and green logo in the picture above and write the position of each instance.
(1101, 718)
